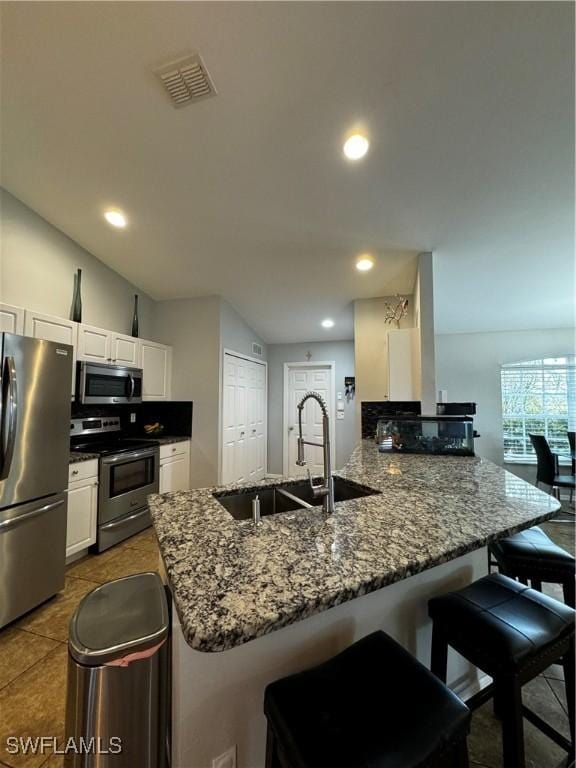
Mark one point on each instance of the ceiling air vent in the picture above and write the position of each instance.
(186, 80)
(256, 349)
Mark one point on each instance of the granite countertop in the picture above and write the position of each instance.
(74, 458)
(233, 582)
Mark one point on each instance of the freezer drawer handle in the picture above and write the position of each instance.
(10, 404)
(34, 513)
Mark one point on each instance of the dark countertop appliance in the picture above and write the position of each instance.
(439, 435)
(129, 472)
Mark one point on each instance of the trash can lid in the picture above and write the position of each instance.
(119, 618)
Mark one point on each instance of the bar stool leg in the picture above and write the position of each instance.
(439, 660)
(272, 759)
(509, 696)
(568, 662)
(569, 588)
(462, 756)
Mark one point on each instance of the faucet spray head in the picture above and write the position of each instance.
(301, 460)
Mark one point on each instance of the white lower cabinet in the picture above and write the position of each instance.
(82, 506)
(175, 467)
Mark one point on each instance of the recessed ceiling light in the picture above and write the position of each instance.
(364, 262)
(115, 218)
(327, 323)
(356, 146)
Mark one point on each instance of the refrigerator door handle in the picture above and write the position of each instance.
(9, 406)
(28, 515)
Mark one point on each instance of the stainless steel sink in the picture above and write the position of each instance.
(286, 497)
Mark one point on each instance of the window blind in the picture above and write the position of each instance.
(538, 397)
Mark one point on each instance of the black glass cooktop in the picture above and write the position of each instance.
(110, 446)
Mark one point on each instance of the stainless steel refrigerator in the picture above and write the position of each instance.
(34, 447)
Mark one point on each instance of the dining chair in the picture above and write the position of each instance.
(572, 440)
(547, 469)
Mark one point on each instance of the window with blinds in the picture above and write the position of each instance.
(538, 397)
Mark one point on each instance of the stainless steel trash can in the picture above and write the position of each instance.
(118, 676)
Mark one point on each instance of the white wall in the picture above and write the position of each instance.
(236, 334)
(468, 366)
(199, 330)
(424, 317)
(342, 353)
(37, 267)
(192, 327)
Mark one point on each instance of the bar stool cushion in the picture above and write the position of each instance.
(500, 624)
(533, 550)
(371, 706)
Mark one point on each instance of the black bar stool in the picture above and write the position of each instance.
(373, 704)
(532, 556)
(513, 633)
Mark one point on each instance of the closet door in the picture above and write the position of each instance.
(243, 420)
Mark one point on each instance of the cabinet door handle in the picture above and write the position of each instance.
(74, 471)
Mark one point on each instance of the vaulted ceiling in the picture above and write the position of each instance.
(468, 107)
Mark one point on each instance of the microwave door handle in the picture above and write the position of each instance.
(131, 380)
(9, 412)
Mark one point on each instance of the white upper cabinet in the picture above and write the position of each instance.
(101, 346)
(11, 319)
(156, 363)
(125, 350)
(94, 344)
(52, 328)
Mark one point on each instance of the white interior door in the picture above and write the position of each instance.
(243, 420)
(299, 380)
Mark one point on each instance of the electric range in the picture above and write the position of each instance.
(129, 472)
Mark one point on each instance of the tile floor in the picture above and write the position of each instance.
(33, 654)
(33, 660)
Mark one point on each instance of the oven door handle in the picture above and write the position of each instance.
(125, 457)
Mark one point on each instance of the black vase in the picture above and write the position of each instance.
(135, 317)
(77, 301)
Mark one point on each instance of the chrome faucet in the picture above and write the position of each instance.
(326, 488)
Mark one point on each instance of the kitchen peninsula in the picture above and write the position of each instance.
(251, 602)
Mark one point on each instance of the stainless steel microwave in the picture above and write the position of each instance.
(98, 383)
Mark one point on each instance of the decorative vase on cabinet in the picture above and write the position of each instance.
(135, 317)
(77, 302)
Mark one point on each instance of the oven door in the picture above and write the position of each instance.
(126, 479)
(108, 384)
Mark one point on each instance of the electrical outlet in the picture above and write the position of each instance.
(339, 415)
(132, 418)
(226, 759)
